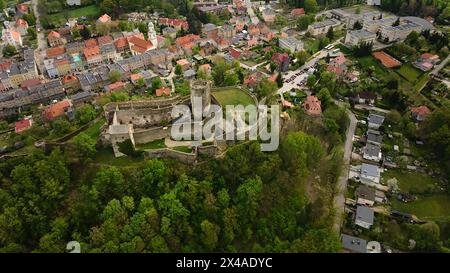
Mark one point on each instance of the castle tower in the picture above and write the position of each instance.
(152, 35)
(201, 89)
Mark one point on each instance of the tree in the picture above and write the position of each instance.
(61, 126)
(396, 23)
(302, 57)
(9, 50)
(218, 72)
(32, 32)
(178, 70)
(266, 88)
(85, 146)
(114, 76)
(156, 83)
(311, 6)
(324, 96)
(330, 33)
(311, 81)
(357, 25)
(279, 80)
(304, 21)
(127, 147)
(85, 113)
(85, 32)
(210, 236)
(30, 18)
(231, 78)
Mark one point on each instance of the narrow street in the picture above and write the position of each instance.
(341, 187)
(41, 40)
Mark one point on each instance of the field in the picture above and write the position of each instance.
(106, 156)
(94, 130)
(412, 182)
(91, 11)
(157, 144)
(435, 207)
(369, 61)
(408, 72)
(232, 96)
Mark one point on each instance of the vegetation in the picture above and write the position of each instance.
(232, 96)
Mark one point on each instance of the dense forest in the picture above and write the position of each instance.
(246, 201)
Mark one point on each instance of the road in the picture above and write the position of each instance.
(41, 40)
(438, 67)
(341, 187)
(371, 108)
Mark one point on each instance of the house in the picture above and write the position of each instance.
(178, 24)
(57, 110)
(354, 244)
(163, 91)
(23, 125)
(291, 43)
(109, 53)
(420, 113)
(92, 55)
(312, 106)
(71, 83)
(12, 37)
(170, 32)
(139, 46)
(22, 9)
(297, 12)
(364, 217)
(54, 52)
(21, 26)
(426, 61)
(104, 40)
(210, 31)
(189, 74)
(81, 97)
(227, 32)
(372, 152)
(375, 121)
(356, 37)
(206, 68)
(185, 64)
(115, 87)
(365, 97)
(122, 45)
(428, 57)
(104, 19)
(374, 137)
(370, 174)
(365, 196)
(55, 39)
(282, 61)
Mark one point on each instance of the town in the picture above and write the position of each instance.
(368, 80)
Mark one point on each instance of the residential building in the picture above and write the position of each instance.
(374, 137)
(92, 55)
(81, 98)
(55, 39)
(365, 196)
(291, 43)
(104, 19)
(370, 174)
(372, 152)
(73, 2)
(354, 244)
(21, 26)
(375, 121)
(12, 37)
(210, 31)
(420, 113)
(57, 110)
(23, 125)
(170, 32)
(163, 91)
(268, 15)
(178, 24)
(364, 217)
(297, 12)
(356, 37)
(109, 53)
(312, 106)
(282, 60)
(71, 83)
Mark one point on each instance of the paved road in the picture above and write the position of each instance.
(339, 199)
(371, 108)
(438, 67)
(41, 40)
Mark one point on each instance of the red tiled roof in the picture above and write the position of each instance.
(183, 62)
(56, 110)
(53, 34)
(234, 53)
(121, 43)
(69, 78)
(187, 39)
(312, 105)
(104, 40)
(29, 83)
(335, 69)
(22, 8)
(163, 91)
(280, 57)
(91, 52)
(174, 22)
(104, 18)
(115, 85)
(22, 125)
(55, 51)
(135, 77)
(21, 22)
(91, 43)
(296, 12)
(421, 110)
(140, 45)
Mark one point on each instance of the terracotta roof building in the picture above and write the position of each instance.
(420, 113)
(22, 125)
(139, 46)
(56, 110)
(312, 106)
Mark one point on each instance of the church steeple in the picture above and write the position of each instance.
(152, 35)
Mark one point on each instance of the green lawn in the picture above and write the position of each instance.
(94, 130)
(232, 96)
(92, 11)
(157, 144)
(368, 61)
(183, 149)
(435, 207)
(412, 182)
(408, 72)
(106, 156)
(311, 45)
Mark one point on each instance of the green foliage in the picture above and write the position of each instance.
(9, 50)
(178, 70)
(85, 146)
(114, 76)
(127, 148)
(304, 21)
(85, 113)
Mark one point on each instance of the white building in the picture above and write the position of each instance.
(291, 43)
(356, 37)
(364, 217)
(12, 37)
(321, 28)
(73, 2)
(370, 174)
